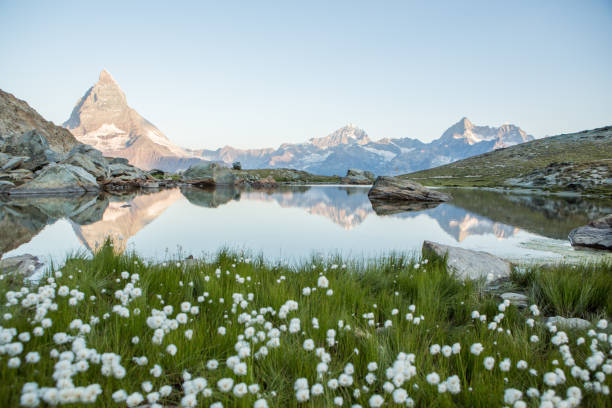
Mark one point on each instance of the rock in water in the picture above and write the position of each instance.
(597, 234)
(208, 175)
(469, 264)
(58, 179)
(397, 189)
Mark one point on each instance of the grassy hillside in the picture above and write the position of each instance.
(579, 161)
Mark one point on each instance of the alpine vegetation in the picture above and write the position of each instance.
(114, 330)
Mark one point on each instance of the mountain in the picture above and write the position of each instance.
(103, 119)
(351, 147)
(579, 161)
(18, 118)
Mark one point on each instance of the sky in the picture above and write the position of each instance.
(258, 74)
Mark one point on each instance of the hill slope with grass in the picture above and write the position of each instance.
(579, 162)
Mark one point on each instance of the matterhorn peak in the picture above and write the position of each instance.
(105, 76)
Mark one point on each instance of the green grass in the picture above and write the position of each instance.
(377, 287)
(288, 176)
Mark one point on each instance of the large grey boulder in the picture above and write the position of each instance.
(23, 265)
(468, 264)
(59, 179)
(210, 174)
(89, 159)
(34, 145)
(357, 176)
(397, 189)
(8, 163)
(597, 234)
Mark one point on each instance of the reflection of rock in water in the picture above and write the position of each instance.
(22, 218)
(210, 197)
(549, 216)
(345, 206)
(120, 222)
(396, 207)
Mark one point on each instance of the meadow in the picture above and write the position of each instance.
(234, 331)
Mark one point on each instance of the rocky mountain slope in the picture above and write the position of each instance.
(350, 147)
(580, 162)
(38, 157)
(103, 119)
(17, 118)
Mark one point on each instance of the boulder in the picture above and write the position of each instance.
(596, 234)
(34, 146)
(9, 163)
(237, 165)
(210, 174)
(18, 176)
(397, 189)
(6, 186)
(468, 264)
(89, 159)
(569, 322)
(517, 299)
(59, 179)
(24, 265)
(356, 176)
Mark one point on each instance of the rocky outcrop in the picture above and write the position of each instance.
(468, 264)
(397, 189)
(59, 179)
(22, 265)
(37, 157)
(356, 176)
(597, 234)
(17, 118)
(212, 174)
(267, 182)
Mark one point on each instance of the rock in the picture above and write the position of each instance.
(18, 176)
(58, 179)
(597, 234)
(468, 264)
(12, 162)
(517, 299)
(157, 173)
(356, 176)
(569, 322)
(89, 159)
(397, 189)
(150, 184)
(6, 185)
(237, 165)
(267, 182)
(208, 175)
(24, 265)
(34, 145)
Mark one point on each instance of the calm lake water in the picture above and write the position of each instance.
(292, 222)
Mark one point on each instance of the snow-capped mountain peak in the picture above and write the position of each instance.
(348, 134)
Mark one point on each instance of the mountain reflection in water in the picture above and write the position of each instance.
(290, 220)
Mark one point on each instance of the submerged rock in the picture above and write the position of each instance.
(57, 179)
(468, 264)
(395, 207)
(397, 189)
(597, 234)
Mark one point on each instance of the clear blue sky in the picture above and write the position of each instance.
(254, 74)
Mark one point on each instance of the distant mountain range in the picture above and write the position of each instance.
(103, 119)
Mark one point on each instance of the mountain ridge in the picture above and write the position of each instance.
(103, 118)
